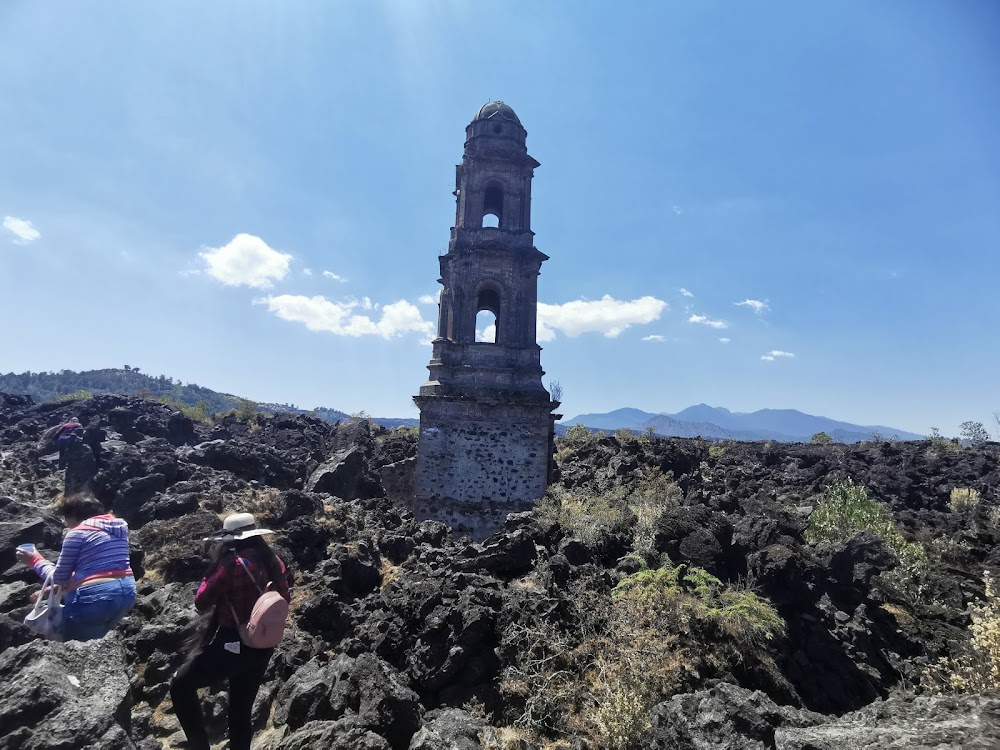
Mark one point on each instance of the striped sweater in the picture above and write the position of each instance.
(97, 548)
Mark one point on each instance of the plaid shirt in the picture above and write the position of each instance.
(230, 588)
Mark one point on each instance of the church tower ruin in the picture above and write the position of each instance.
(486, 422)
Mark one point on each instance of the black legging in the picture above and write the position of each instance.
(213, 663)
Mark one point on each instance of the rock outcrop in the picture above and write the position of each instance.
(406, 636)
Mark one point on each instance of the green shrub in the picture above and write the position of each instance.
(647, 500)
(624, 435)
(941, 444)
(743, 615)
(963, 499)
(668, 624)
(80, 395)
(632, 509)
(716, 451)
(199, 412)
(246, 409)
(585, 517)
(846, 510)
(596, 673)
(821, 438)
(975, 433)
(578, 433)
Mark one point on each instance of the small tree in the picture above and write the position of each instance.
(556, 389)
(821, 438)
(577, 433)
(247, 409)
(625, 435)
(975, 433)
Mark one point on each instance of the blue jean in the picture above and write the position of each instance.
(92, 610)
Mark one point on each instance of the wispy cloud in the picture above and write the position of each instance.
(334, 276)
(754, 304)
(776, 354)
(246, 261)
(22, 229)
(607, 316)
(320, 314)
(307, 272)
(686, 293)
(428, 299)
(724, 340)
(704, 320)
(654, 337)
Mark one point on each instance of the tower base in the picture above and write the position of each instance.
(478, 461)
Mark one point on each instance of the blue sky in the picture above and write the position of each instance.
(177, 177)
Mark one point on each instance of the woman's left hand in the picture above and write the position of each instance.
(22, 557)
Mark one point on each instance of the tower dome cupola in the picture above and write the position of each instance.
(496, 111)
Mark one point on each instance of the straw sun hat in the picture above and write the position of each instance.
(239, 526)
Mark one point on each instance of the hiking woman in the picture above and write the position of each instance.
(93, 569)
(243, 565)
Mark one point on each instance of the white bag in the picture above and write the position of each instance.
(47, 616)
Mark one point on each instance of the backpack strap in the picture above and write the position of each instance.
(242, 562)
(245, 567)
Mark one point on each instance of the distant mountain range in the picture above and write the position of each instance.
(712, 422)
(717, 423)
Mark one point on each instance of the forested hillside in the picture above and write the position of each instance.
(130, 381)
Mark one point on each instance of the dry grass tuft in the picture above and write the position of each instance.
(388, 571)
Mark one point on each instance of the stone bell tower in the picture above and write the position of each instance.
(486, 422)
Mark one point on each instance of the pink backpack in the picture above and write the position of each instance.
(267, 619)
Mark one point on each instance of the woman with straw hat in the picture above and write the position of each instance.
(242, 566)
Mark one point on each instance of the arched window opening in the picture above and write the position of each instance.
(486, 327)
(488, 316)
(493, 205)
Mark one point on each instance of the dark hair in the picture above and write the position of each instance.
(80, 506)
(253, 547)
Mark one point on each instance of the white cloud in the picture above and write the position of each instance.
(686, 293)
(607, 316)
(705, 321)
(724, 340)
(754, 304)
(654, 337)
(320, 314)
(22, 229)
(488, 334)
(677, 210)
(307, 272)
(767, 358)
(428, 299)
(246, 261)
(776, 354)
(335, 277)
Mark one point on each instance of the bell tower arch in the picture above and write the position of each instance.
(486, 422)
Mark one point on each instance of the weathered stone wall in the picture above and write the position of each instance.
(475, 465)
